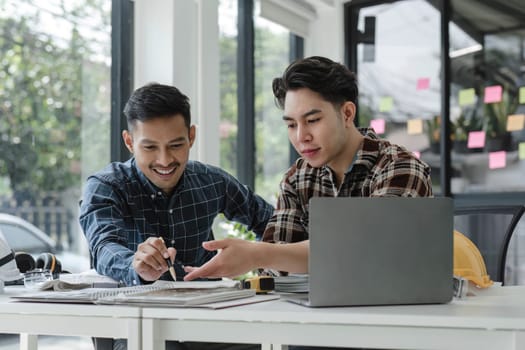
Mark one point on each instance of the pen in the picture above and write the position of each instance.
(170, 265)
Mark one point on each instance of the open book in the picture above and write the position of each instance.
(160, 293)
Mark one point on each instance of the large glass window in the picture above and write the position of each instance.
(399, 66)
(487, 98)
(228, 84)
(487, 108)
(272, 52)
(271, 56)
(54, 109)
(398, 60)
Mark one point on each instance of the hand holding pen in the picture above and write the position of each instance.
(151, 258)
(171, 269)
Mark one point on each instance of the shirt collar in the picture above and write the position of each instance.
(366, 155)
(153, 190)
(369, 152)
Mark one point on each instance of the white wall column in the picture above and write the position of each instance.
(176, 43)
(326, 32)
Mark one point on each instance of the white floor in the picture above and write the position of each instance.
(45, 342)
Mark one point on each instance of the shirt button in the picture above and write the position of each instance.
(171, 211)
(152, 196)
(159, 193)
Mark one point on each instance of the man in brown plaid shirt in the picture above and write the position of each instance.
(338, 159)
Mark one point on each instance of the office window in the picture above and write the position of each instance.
(398, 68)
(54, 108)
(228, 84)
(272, 52)
(271, 56)
(486, 111)
(487, 101)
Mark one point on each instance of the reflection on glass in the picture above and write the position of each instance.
(485, 114)
(399, 76)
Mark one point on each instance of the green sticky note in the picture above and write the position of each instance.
(522, 150)
(386, 104)
(467, 97)
(522, 95)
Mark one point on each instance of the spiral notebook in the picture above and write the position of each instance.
(160, 293)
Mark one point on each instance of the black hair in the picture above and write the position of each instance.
(156, 100)
(332, 80)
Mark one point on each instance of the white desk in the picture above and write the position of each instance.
(478, 322)
(31, 319)
(495, 320)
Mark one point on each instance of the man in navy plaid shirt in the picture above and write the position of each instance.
(127, 207)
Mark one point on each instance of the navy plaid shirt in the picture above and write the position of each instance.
(121, 208)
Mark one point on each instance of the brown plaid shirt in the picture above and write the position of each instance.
(380, 169)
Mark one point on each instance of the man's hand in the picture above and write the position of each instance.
(236, 256)
(150, 258)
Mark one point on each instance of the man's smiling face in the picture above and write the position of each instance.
(161, 147)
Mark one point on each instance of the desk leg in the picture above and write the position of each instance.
(135, 334)
(519, 340)
(150, 336)
(28, 341)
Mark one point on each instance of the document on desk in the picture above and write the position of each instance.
(160, 293)
(293, 283)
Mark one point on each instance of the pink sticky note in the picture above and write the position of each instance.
(378, 125)
(476, 139)
(497, 160)
(493, 94)
(417, 154)
(423, 84)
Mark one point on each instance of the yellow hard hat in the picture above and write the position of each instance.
(468, 262)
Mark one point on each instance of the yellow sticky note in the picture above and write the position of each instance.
(467, 97)
(515, 122)
(386, 104)
(522, 95)
(415, 126)
(521, 151)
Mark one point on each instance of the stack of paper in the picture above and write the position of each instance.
(159, 293)
(293, 283)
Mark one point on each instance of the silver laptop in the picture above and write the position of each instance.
(379, 251)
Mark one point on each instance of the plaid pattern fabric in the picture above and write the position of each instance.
(121, 208)
(380, 169)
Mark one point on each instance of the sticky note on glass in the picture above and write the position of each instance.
(378, 125)
(515, 122)
(415, 126)
(521, 150)
(476, 139)
(493, 94)
(417, 154)
(467, 97)
(497, 160)
(522, 95)
(423, 84)
(386, 104)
